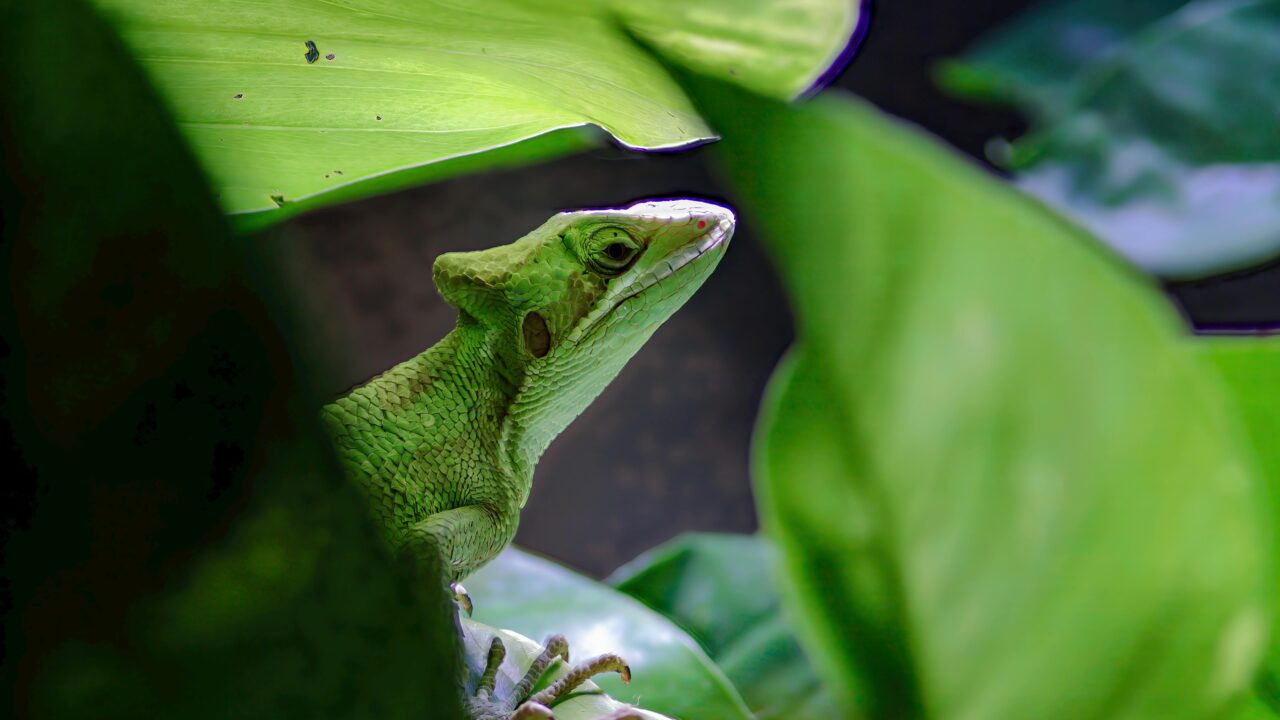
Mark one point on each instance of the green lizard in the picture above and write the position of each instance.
(444, 444)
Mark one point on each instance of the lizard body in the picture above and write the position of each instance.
(444, 444)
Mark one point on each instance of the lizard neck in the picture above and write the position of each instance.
(449, 405)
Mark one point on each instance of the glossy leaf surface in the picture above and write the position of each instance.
(398, 84)
(723, 589)
(670, 673)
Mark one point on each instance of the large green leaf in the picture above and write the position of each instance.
(399, 84)
(670, 673)
(1164, 143)
(588, 702)
(998, 480)
(723, 590)
(410, 83)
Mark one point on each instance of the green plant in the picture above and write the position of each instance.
(997, 475)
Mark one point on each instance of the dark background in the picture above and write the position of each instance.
(665, 449)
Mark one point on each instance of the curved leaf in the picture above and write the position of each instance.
(777, 49)
(722, 589)
(670, 673)
(588, 702)
(394, 84)
(998, 480)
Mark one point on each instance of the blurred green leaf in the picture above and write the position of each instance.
(777, 49)
(670, 673)
(178, 541)
(1164, 143)
(1034, 58)
(1251, 368)
(723, 590)
(1254, 708)
(997, 480)
(588, 702)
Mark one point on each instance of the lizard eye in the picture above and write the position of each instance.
(611, 251)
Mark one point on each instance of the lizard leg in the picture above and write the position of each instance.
(488, 703)
(465, 538)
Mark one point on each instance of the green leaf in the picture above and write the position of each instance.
(1035, 58)
(588, 702)
(1163, 143)
(1251, 368)
(777, 49)
(722, 589)
(670, 673)
(997, 479)
(409, 83)
(539, 148)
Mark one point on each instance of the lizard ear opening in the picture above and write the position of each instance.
(537, 338)
(467, 282)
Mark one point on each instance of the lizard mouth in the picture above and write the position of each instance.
(683, 257)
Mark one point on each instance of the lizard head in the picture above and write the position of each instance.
(570, 303)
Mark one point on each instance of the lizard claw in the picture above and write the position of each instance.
(462, 597)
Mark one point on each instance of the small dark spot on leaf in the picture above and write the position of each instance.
(278, 200)
(330, 56)
(733, 71)
(238, 96)
(312, 53)
(326, 176)
(377, 117)
(337, 172)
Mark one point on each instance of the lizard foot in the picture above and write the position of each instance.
(522, 703)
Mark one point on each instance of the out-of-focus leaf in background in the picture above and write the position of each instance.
(588, 702)
(723, 589)
(777, 49)
(670, 673)
(997, 480)
(1251, 369)
(179, 542)
(1155, 130)
(1035, 57)
(399, 84)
